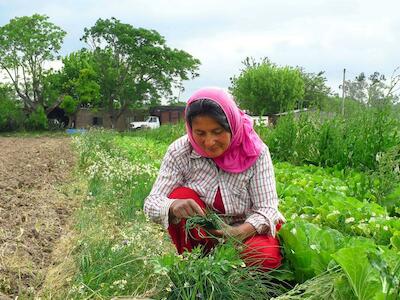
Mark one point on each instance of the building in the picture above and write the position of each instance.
(86, 118)
(168, 114)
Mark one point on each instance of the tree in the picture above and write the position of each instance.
(315, 89)
(76, 84)
(135, 66)
(266, 88)
(26, 43)
(373, 89)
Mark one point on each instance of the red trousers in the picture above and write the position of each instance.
(259, 250)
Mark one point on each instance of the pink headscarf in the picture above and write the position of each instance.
(245, 146)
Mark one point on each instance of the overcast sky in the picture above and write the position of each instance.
(361, 36)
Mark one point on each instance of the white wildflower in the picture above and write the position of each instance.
(349, 220)
(120, 284)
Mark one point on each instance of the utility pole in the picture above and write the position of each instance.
(343, 90)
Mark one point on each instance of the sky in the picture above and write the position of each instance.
(318, 35)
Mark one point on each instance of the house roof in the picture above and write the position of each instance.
(162, 108)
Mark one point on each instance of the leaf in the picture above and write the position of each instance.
(362, 277)
(395, 240)
(343, 289)
(381, 266)
(309, 247)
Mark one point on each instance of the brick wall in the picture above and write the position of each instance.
(86, 119)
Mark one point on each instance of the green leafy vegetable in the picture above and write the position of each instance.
(363, 278)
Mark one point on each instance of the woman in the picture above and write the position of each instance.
(221, 164)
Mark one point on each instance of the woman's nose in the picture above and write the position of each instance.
(209, 141)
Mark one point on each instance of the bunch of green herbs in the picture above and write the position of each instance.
(220, 274)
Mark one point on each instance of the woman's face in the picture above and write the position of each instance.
(210, 136)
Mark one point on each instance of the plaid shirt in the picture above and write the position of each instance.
(249, 196)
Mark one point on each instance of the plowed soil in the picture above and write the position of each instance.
(33, 209)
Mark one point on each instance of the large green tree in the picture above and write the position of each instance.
(26, 43)
(265, 88)
(76, 84)
(135, 66)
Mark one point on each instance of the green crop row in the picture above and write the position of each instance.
(371, 271)
(315, 194)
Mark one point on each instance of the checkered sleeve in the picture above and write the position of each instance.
(170, 176)
(264, 214)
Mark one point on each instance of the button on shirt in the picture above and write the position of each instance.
(249, 196)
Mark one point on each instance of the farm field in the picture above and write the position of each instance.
(33, 209)
(338, 241)
(77, 161)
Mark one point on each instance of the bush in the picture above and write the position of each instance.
(265, 87)
(387, 177)
(37, 120)
(11, 116)
(282, 138)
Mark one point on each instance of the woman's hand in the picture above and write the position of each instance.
(185, 208)
(240, 232)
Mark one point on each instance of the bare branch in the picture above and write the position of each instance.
(13, 79)
(25, 83)
(394, 80)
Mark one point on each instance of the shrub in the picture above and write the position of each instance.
(37, 120)
(282, 138)
(333, 140)
(11, 116)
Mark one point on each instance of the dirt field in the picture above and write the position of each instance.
(33, 209)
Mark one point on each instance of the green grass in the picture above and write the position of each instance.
(35, 134)
(166, 134)
(116, 241)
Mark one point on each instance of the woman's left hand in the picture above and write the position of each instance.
(239, 232)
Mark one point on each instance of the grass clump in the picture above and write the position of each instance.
(332, 284)
(221, 274)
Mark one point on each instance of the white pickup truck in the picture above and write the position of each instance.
(151, 122)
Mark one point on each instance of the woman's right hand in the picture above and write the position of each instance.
(184, 208)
